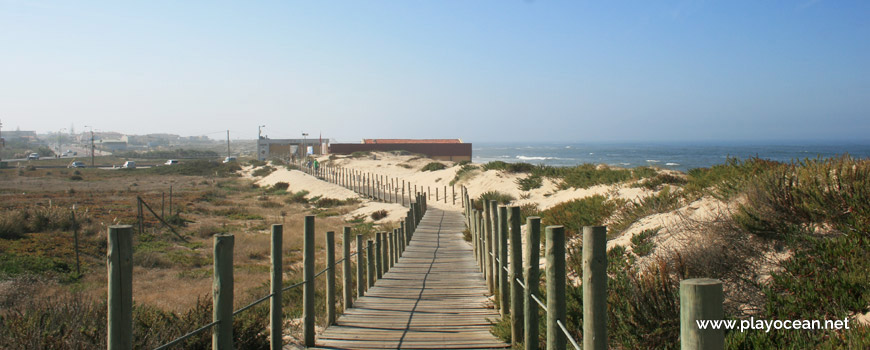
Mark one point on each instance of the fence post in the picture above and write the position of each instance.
(370, 256)
(487, 241)
(402, 226)
(532, 278)
(503, 286)
(120, 274)
(385, 254)
(555, 287)
(308, 288)
(276, 322)
(516, 260)
(392, 244)
(445, 195)
(360, 279)
(348, 296)
(595, 287)
(379, 258)
(222, 337)
(493, 213)
(701, 299)
(330, 277)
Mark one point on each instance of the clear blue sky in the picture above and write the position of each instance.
(572, 71)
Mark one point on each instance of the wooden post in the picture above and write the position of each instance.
(493, 213)
(555, 287)
(436, 194)
(701, 299)
(595, 287)
(402, 226)
(360, 266)
(222, 337)
(503, 286)
(345, 269)
(532, 278)
(379, 262)
(453, 192)
(516, 267)
(330, 278)
(385, 254)
(392, 245)
(487, 241)
(370, 256)
(170, 200)
(75, 228)
(308, 288)
(120, 274)
(403, 192)
(276, 321)
(445, 195)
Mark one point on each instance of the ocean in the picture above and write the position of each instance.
(668, 156)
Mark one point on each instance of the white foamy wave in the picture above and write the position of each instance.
(534, 158)
(672, 164)
(652, 161)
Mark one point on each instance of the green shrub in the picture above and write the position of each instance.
(632, 211)
(198, 168)
(657, 181)
(298, 197)
(465, 171)
(360, 154)
(500, 197)
(509, 167)
(332, 202)
(433, 166)
(643, 241)
(76, 178)
(587, 211)
(256, 163)
(530, 182)
(726, 180)
(263, 171)
(280, 186)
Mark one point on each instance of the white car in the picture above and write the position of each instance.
(229, 159)
(76, 165)
(171, 162)
(33, 156)
(129, 165)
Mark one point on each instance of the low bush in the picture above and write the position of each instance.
(380, 214)
(500, 197)
(76, 178)
(198, 168)
(465, 171)
(298, 197)
(509, 167)
(643, 241)
(433, 166)
(530, 182)
(587, 211)
(263, 171)
(332, 202)
(657, 181)
(280, 186)
(632, 211)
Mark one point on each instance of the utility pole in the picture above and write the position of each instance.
(92, 148)
(2, 141)
(228, 143)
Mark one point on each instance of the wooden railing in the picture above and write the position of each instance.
(380, 256)
(497, 247)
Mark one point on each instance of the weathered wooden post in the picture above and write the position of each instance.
(222, 337)
(379, 262)
(412, 214)
(330, 277)
(392, 240)
(402, 243)
(516, 273)
(555, 287)
(276, 319)
(370, 256)
(385, 254)
(453, 192)
(308, 288)
(504, 287)
(348, 279)
(595, 287)
(436, 194)
(445, 195)
(701, 299)
(494, 235)
(487, 251)
(119, 261)
(532, 278)
(360, 266)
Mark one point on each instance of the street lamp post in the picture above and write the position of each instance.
(304, 145)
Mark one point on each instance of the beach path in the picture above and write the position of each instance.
(433, 298)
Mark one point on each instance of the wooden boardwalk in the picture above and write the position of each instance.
(433, 298)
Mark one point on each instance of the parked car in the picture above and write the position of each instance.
(171, 162)
(33, 156)
(129, 165)
(229, 159)
(76, 165)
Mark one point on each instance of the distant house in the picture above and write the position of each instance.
(113, 145)
(440, 149)
(290, 148)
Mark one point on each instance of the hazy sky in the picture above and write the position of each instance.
(501, 70)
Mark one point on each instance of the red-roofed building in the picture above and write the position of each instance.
(427, 141)
(440, 149)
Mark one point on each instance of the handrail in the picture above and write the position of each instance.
(573, 342)
(188, 335)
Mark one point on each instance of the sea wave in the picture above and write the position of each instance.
(652, 161)
(535, 158)
(672, 164)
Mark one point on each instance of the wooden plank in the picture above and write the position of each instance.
(434, 297)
